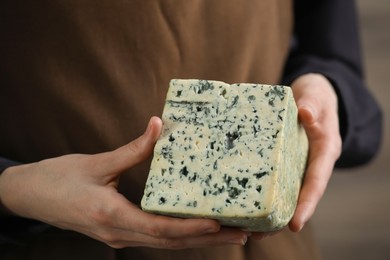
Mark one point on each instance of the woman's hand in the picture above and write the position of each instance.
(318, 113)
(79, 192)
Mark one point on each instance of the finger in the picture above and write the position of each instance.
(117, 212)
(323, 154)
(134, 152)
(226, 236)
(320, 167)
(315, 182)
(127, 225)
(141, 148)
(169, 227)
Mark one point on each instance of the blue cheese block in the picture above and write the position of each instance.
(235, 153)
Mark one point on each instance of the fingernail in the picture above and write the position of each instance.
(300, 227)
(238, 241)
(211, 230)
(210, 227)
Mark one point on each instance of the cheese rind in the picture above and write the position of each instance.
(235, 153)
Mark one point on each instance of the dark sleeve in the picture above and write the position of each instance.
(16, 230)
(326, 41)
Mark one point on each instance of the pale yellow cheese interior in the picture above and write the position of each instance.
(235, 153)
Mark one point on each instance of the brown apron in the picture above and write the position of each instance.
(85, 76)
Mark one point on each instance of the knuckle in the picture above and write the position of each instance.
(135, 150)
(134, 147)
(332, 147)
(172, 244)
(156, 231)
(158, 228)
(102, 215)
(336, 147)
(108, 238)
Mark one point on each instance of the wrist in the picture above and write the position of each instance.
(3, 176)
(8, 190)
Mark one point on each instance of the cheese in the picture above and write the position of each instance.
(235, 153)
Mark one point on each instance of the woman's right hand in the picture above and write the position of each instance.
(79, 192)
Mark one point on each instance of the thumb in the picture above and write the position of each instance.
(136, 151)
(307, 114)
(308, 109)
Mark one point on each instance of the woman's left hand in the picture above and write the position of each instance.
(317, 105)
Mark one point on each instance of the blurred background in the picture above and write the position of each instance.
(353, 218)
